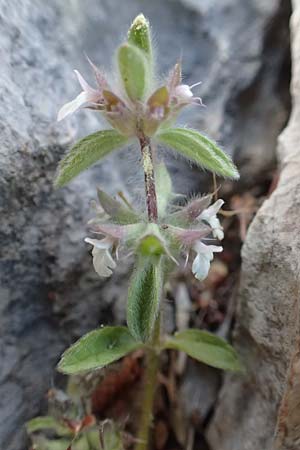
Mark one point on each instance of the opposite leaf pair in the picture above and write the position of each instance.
(106, 345)
(138, 108)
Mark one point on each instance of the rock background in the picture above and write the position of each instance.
(49, 292)
(261, 410)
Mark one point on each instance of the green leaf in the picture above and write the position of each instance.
(144, 295)
(81, 443)
(42, 443)
(205, 347)
(47, 423)
(151, 245)
(134, 71)
(163, 188)
(152, 242)
(87, 152)
(199, 149)
(97, 349)
(139, 34)
(111, 436)
(92, 437)
(119, 213)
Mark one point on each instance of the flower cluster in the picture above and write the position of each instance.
(185, 230)
(129, 110)
(130, 117)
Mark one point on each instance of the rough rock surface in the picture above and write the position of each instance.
(264, 403)
(49, 292)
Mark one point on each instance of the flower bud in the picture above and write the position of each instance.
(140, 36)
(151, 246)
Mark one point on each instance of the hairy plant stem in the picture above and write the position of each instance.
(149, 177)
(150, 383)
(152, 350)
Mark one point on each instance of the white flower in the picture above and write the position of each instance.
(88, 95)
(183, 93)
(102, 259)
(205, 254)
(209, 215)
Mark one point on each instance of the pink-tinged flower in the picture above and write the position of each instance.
(187, 237)
(192, 238)
(181, 94)
(205, 254)
(102, 259)
(209, 215)
(116, 238)
(100, 78)
(174, 78)
(88, 95)
(115, 110)
(114, 231)
(129, 117)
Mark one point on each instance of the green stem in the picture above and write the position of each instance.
(152, 351)
(150, 383)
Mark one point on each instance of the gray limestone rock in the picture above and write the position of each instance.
(261, 409)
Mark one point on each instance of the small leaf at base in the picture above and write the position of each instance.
(97, 349)
(205, 347)
(47, 423)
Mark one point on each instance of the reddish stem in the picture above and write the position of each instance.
(151, 198)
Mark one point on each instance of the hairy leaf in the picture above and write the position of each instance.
(110, 436)
(97, 349)
(118, 213)
(205, 347)
(144, 297)
(87, 152)
(134, 71)
(47, 423)
(199, 149)
(43, 443)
